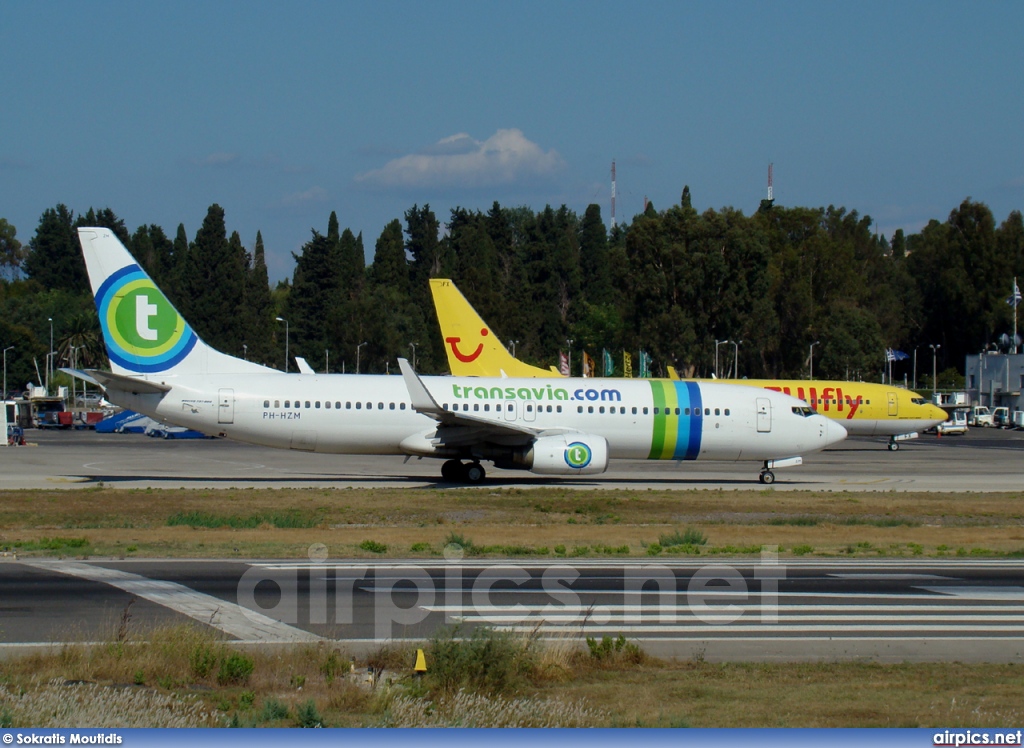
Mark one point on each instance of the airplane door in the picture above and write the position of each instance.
(529, 411)
(510, 410)
(764, 414)
(226, 406)
(893, 407)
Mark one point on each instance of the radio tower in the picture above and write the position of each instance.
(613, 194)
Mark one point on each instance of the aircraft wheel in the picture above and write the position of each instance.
(767, 477)
(451, 471)
(894, 446)
(474, 472)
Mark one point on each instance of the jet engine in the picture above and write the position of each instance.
(568, 454)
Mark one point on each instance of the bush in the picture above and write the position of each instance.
(235, 669)
(201, 659)
(488, 660)
(307, 715)
(689, 536)
(273, 710)
(373, 546)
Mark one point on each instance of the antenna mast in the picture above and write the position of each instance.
(613, 194)
(770, 196)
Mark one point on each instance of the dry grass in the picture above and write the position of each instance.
(154, 681)
(117, 523)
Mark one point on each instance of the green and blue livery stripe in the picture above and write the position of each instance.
(676, 435)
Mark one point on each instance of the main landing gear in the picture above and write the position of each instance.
(767, 477)
(455, 471)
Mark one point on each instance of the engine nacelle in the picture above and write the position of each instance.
(568, 454)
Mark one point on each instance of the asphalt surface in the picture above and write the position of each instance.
(982, 460)
(886, 609)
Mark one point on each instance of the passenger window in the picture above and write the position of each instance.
(392, 406)
(327, 404)
(380, 406)
(686, 412)
(337, 404)
(476, 407)
(590, 408)
(645, 410)
(277, 403)
(634, 410)
(307, 403)
(579, 408)
(369, 406)
(348, 405)
(707, 411)
(601, 409)
(677, 411)
(717, 413)
(558, 408)
(317, 404)
(266, 403)
(487, 408)
(401, 406)
(727, 411)
(287, 403)
(529, 408)
(359, 406)
(657, 411)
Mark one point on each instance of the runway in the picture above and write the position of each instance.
(767, 610)
(982, 460)
(882, 610)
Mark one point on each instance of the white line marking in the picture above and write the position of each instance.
(230, 618)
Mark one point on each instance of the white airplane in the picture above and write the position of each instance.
(557, 426)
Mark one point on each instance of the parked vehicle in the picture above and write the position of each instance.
(1001, 418)
(980, 415)
(957, 424)
(1018, 419)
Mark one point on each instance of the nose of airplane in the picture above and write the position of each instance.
(834, 432)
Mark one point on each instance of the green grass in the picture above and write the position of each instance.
(280, 520)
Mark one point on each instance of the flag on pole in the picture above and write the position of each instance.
(609, 364)
(894, 355)
(645, 364)
(627, 365)
(588, 365)
(1015, 297)
(563, 364)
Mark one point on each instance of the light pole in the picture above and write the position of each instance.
(736, 359)
(327, 361)
(358, 347)
(811, 359)
(718, 343)
(74, 365)
(8, 348)
(245, 351)
(49, 357)
(934, 371)
(513, 342)
(915, 368)
(568, 344)
(413, 346)
(282, 319)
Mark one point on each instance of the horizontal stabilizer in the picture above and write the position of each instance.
(109, 380)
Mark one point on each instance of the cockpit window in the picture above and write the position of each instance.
(803, 411)
(918, 401)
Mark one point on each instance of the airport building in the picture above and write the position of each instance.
(996, 379)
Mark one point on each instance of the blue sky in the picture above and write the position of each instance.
(283, 112)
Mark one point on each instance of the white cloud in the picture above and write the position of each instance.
(312, 195)
(218, 159)
(506, 157)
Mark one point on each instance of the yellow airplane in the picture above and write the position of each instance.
(864, 409)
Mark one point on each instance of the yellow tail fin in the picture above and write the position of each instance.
(473, 349)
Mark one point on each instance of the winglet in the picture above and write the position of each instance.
(422, 400)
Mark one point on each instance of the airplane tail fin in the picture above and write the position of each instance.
(473, 349)
(143, 332)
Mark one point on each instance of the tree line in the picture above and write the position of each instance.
(671, 283)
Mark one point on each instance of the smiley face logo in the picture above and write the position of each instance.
(466, 358)
(578, 455)
(143, 332)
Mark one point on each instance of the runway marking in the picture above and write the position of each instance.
(981, 593)
(230, 618)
